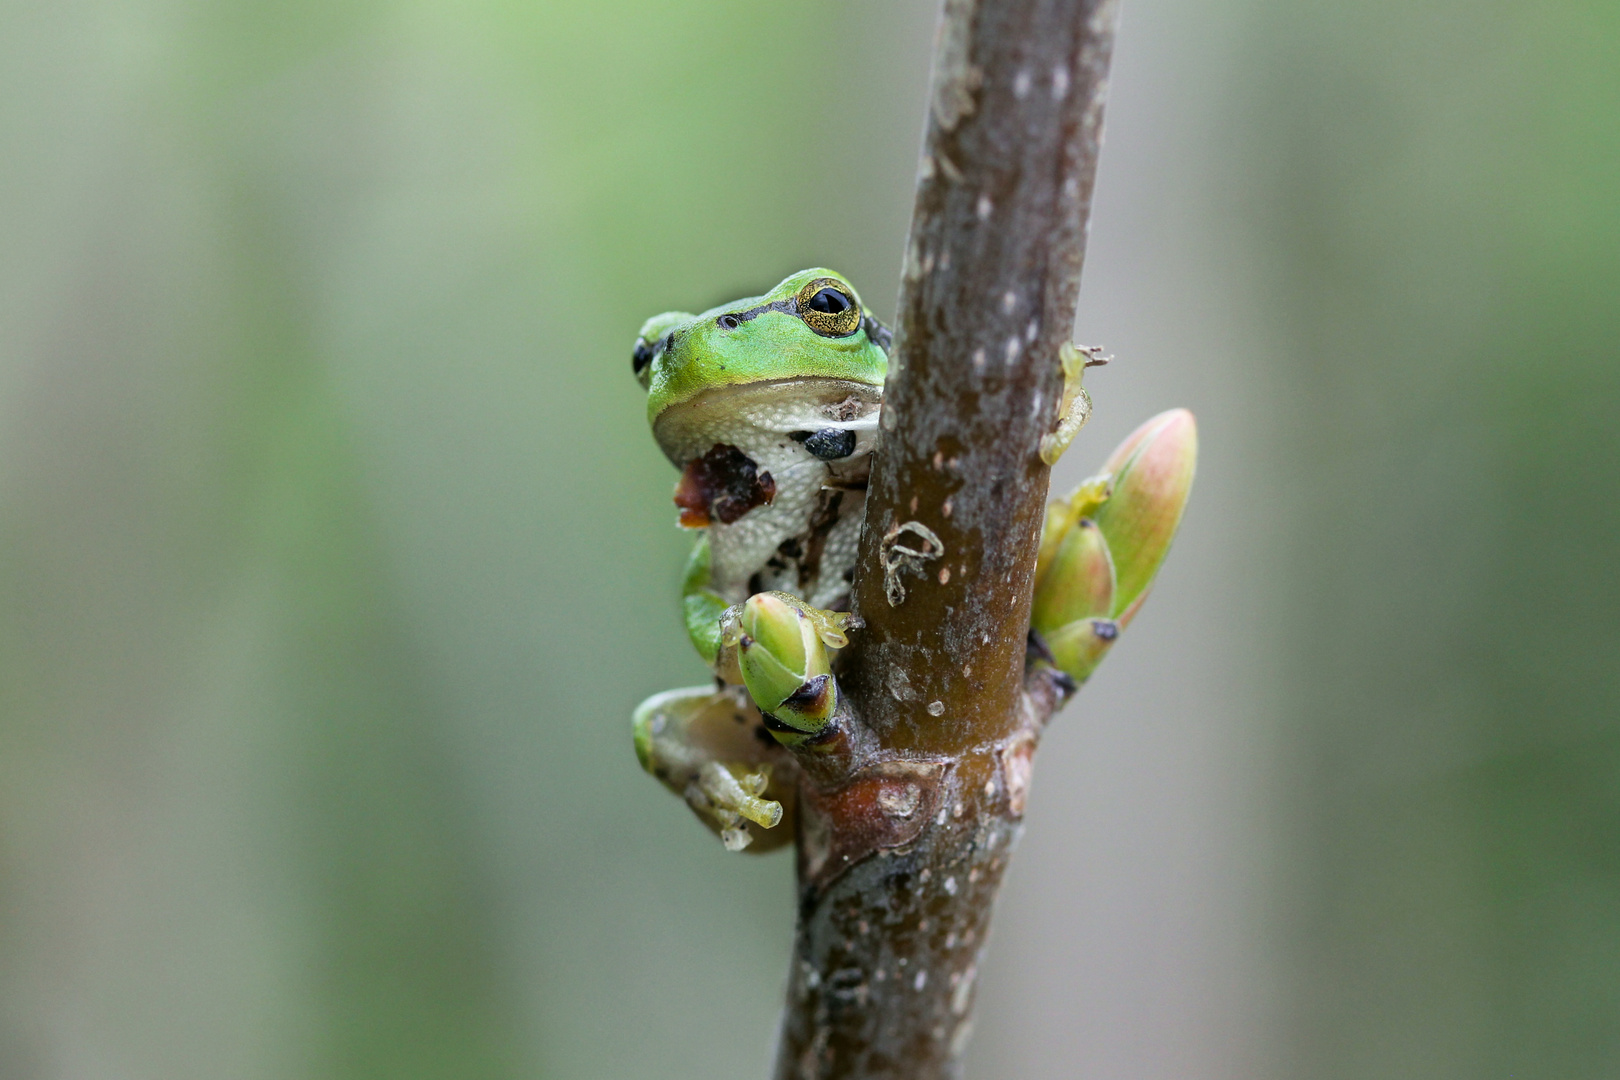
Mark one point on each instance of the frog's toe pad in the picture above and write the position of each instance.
(730, 792)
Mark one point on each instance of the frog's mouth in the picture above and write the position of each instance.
(813, 411)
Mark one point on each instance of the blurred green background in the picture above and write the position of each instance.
(334, 551)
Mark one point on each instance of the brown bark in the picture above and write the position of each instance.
(905, 832)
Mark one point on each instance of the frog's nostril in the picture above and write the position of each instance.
(728, 322)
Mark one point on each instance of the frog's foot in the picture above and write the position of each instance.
(730, 793)
(782, 648)
(712, 749)
(1075, 408)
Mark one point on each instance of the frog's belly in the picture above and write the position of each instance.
(803, 542)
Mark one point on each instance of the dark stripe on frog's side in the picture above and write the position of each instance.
(876, 332)
(790, 306)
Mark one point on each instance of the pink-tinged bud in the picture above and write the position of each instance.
(1153, 474)
(1078, 583)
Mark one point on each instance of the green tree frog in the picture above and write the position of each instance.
(769, 408)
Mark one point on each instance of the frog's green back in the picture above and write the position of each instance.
(812, 324)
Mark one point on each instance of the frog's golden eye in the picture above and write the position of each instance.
(826, 307)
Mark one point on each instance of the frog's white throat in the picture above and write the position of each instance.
(755, 415)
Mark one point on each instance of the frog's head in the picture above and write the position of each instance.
(811, 326)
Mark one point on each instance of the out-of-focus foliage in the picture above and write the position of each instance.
(1438, 189)
(335, 549)
(334, 552)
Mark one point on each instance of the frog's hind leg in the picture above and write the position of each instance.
(711, 748)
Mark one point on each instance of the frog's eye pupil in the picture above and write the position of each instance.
(830, 302)
(827, 308)
(641, 357)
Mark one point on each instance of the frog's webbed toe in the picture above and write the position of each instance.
(711, 748)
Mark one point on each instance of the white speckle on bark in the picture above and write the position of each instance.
(1009, 300)
(920, 981)
(936, 708)
(1021, 83)
(984, 207)
(1017, 763)
(956, 81)
(978, 359)
(900, 685)
(964, 990)
(1032, 331)
(1014, 347)
(1060, 82)
(950, 885)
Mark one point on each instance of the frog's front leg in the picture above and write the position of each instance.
(702, 607)
(711, 748)
(1075, 408)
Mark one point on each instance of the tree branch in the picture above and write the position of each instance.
(903, 844)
